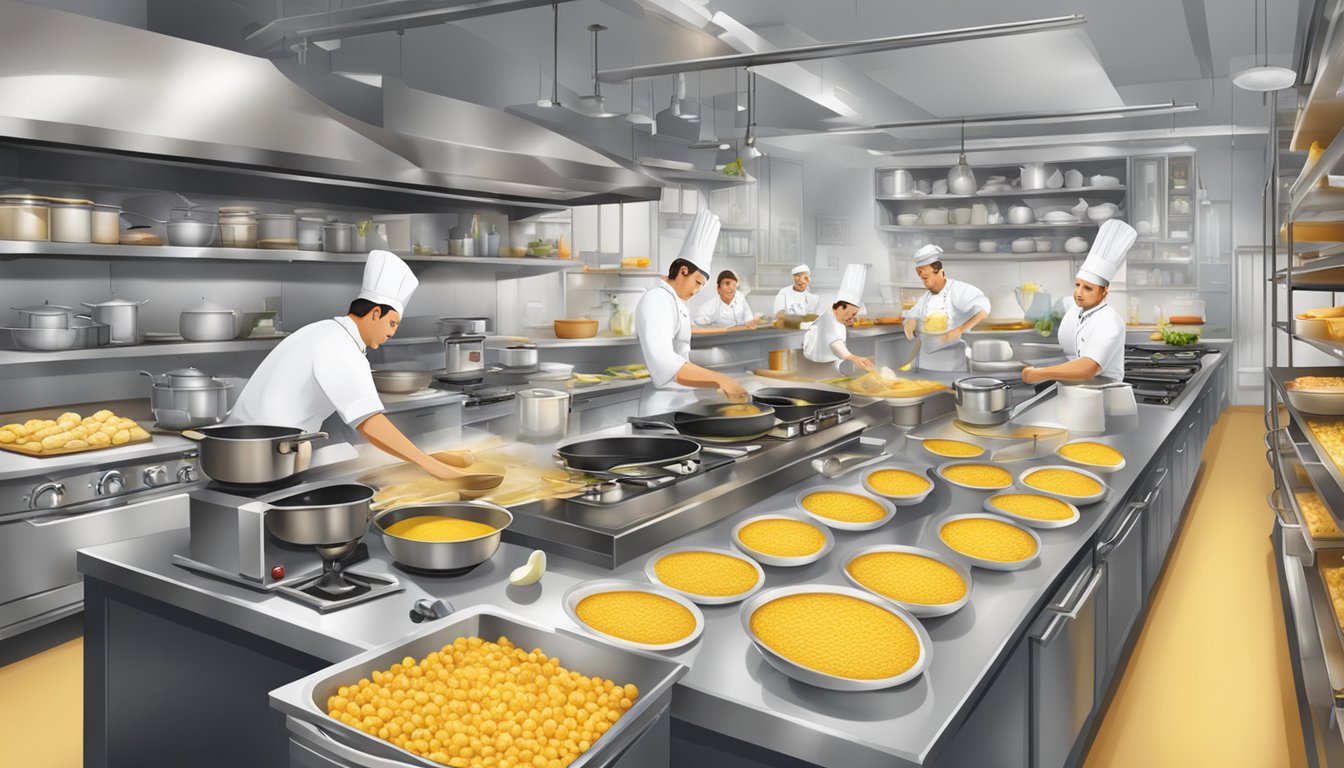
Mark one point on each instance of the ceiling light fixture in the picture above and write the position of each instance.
(749, 148)
(641, 110)
(1070, 116)
(554, 101)
(1263, 77)
(595, 104)
(709, 137)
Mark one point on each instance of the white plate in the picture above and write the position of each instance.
(822, 679)
(840, 525)
(584, 589)
(992, 565)
(652, 574)
(900, 501)
(916, 609)
(942, 469)
(776, 560)
(1089, 465)
(1032, 522)
(1079, 500)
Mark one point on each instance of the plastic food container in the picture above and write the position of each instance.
(238, 227)
(24, 217)
(71, 221)
(107, 224)
(309, 233)
(1185, 311)
(277, 230)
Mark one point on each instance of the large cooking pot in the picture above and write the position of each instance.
(984, 401)
(462, 326)
(187, 398)
(207, 321)
(122, 315)
(50, 316)
(253, 454)
(518, 356)
(321, 515)
(542, 414)
(798, 403)
(400, 382)
(444, 555)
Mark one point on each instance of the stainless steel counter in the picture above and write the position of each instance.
(730, 689)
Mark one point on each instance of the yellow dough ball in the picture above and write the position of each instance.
(122, 437)
(73, 444)
(53, 442)
(138, 433)
(99, 439)
(102, 415)
(7, 437)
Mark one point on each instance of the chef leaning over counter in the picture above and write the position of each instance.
(663, 324)
(950, 307)
(726, 309)
(1092, 333)
(797, 299)
(321, 369)
(824, 343)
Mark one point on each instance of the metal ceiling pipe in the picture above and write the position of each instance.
(1073, 115)
(848, 48)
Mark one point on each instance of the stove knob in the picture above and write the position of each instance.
(155, 476)
(111, 483)
(186, 474)
(47, 496)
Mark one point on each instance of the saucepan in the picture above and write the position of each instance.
(253, 454)
(320, 515)
(983, 401)
(444, 555)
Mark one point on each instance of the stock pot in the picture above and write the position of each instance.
(253, 454)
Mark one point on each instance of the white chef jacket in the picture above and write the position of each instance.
(319, 370)
(961, 301)
(663, 325)
(791, 302)
(824, 347)
(1097, 334)
(715, 314)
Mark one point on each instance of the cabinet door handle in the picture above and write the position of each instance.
(1105, 548)
(1285, 521)
(1071, 612)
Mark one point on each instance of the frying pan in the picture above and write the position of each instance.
(705, 420)
(603, 453)
(815, 399)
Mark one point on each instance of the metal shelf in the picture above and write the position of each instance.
(1323, 274)
(1062, 192)
(136, 351)
(1320, 469)
(709, 178)
(981, 227)
(1328, 347)
(1304, 191)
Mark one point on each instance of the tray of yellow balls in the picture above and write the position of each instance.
(784, 541)
(71, 433)
(901, 485)
(839, 507)
(975, 475)
(1070, 484)
(633, 615)
(1033, 510)
(535, 691)
(990, 541)
(1093, 454)
(922, 582)
(834, 637)
(704, 575)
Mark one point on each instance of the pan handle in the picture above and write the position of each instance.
(289, 444)
(641, 423)
(192, 434)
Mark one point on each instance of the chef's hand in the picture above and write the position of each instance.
(863, 362)
(456, 458)
(751, 324)
(952, 336)
(909, 333)
(1032, 375)
(733, 390)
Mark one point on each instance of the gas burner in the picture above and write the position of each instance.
(446, 573)
(356, 588)
(253, 491)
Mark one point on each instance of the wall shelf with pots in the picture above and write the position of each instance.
(1063, 191)
(137, 351)
(981, 227)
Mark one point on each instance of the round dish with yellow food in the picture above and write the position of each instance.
(634, 615)
(841, 508)
(706, 576)
(990, 541)
(1033, 510)
(953, 449)
(438, 528)
(838, 638)
(976, 475)
(1097, 456)
(1063, 482)
(903, 486)
(783, 541)
(918, 580)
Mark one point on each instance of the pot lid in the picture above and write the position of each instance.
(66, 201)
(207, 306)
(114, 302)
(238, 209)
(191, 214)
(189, 378)
(44, 310)
(979, 383)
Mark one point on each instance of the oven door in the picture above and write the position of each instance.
(38, 577)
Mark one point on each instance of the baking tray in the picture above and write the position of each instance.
(65, 452)
(888, 508)
(1331, 558)
(915, 609)
(780, 561)
(651, 572)
(1080, 501)
(305, 699)
(579, 591)
(992, 565)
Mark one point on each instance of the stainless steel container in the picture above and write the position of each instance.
(981, 400)
(191, 233)
(462, 326)
(48, 316)
(400, 382)
(445, 555)
(310, 234)
(277, 226)
(207, 321)
(338, 237)
(519, 356)
(122, 316)
(322, 515)
(542, 414)
(463, 357)
(188, 398)
(253, 454)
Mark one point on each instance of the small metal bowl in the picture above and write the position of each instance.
(652, 573)
(840, 525)
(900, 501)
(1032, 522)
(915, 609)
(992, 565)
(778, 560)
(578, 592)
(1089, 465)
(1079, 500)
(400, 382)
(823, 679)
(445, 555)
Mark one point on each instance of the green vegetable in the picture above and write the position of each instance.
(1179, 338)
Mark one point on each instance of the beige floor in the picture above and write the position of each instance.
(1209, 683)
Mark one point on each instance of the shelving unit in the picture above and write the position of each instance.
(1055, 192)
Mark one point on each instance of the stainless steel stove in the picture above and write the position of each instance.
(495, 384)
(1159, 374)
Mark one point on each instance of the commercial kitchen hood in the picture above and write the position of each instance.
(82, 84)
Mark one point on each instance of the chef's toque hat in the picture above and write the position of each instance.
(851, 285)
(387, 280)
(927, 255)
(801, 269)
(1108, 252)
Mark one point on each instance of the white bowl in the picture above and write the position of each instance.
(581, 590)
(916, 609)
(900, 501)
(1104, 181)
(989, 246)
(1020, 214)
(933, 216)
(942, 472)
(776, 560)
(1102, 212)
(1032, 522)
(965, 246)
(840, 525)
(1100, 467)
(1059, 217)
(822, 679)
(1079, 500)
(961, 216)
(907, 219)
(1044, 245)
(652, 575)
(1076, 245)
(992, 565)
(1024, 245)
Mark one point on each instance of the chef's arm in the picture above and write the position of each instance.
(909, 326)
(1079, 369)
(384, 435)
(692, 375)
(841, 351)
(974, 321)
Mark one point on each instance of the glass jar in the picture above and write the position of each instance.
(238, 227)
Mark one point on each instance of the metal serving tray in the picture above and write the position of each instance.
(305, 699)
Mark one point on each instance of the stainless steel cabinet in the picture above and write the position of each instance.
(1063, 667)
(1121, 552)
(1155, 527)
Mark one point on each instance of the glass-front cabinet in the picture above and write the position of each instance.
(1147, 195)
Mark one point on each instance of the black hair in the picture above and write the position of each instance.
(937, 266)
(842, 305)
(362, 307)
(675, 270)
(726, 274)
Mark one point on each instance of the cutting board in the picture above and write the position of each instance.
(12, 448)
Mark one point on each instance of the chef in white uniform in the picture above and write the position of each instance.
(1092, 333)
(725, 310)
(321, 369)
(663, 325)
(962, 303)
(797, 299)
(824, 342)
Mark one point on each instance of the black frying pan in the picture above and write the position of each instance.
(603, 453)
(708, 420)
(788, 411)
